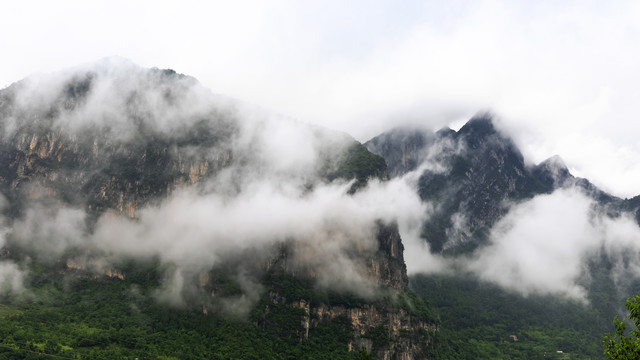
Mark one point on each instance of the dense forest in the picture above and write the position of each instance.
(105, 318)
(484, 321)
(78, 315)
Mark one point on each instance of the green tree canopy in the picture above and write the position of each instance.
(619, 345)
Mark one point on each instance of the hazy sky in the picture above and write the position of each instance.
(562, 76)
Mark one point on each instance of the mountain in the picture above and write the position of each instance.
(143, 182)
(473, 175)
(510, 231)
(469, 173)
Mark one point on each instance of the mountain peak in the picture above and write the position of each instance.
(445, 132)
(555, 161)
(112, 94)
(481, 124)
(553, 173)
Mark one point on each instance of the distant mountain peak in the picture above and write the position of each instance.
(553, 171)
(481, 124)
(445, 132)
(555, 161)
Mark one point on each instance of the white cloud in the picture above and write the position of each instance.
(266, 190)
(11, 278)
(541, 246)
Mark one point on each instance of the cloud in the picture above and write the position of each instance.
(51, 229)
(398, 198)
(114, 96)
(622, 245)
(11, 278)
(328, 233)
(264, 184)
(200, 230)
(541, 246)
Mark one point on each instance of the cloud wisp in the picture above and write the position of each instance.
(542, 246)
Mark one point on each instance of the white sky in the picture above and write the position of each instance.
(562, 75)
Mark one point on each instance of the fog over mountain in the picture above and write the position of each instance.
(265, 178)
(111, 171)
(110, 168)
(321, 179)
(265, 181)
(529, 228)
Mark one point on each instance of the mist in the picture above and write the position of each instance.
(542, 246)
(256, 184)
(113, 95)
(191, 232)
(259, 185)
(11, 278)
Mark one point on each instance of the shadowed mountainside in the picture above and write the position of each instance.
(472, 176)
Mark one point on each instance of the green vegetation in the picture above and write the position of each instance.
(418, 307)
(359, 164)
(620, 346)
(379, 336)
(482, 321)
(8, 311)
(85, 318)
(295, 288)
(72, 314)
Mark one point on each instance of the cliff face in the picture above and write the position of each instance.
(633, 205)
(92, 138)
(403, 149)
(389, 322)
(113, 141)
(100, 175)
(389, 332)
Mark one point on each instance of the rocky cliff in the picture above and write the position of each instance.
(391, 324)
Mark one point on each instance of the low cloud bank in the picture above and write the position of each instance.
(11, 278)
(542, 247)
(191, 232)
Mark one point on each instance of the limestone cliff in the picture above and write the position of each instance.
(389, 325)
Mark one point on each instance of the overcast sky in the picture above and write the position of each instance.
(563, 76)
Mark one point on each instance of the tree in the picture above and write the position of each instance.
(619, 346)
(364, 354)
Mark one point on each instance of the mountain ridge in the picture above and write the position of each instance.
(474, 172)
